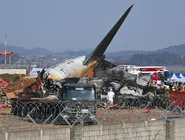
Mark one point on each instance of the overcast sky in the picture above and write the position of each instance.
(60, 25)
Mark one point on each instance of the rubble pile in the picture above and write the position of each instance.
(22, 85)
(129, 79)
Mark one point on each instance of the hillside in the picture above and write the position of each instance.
(24, 51)
(162, 58)
(178, 49)
(172, 55)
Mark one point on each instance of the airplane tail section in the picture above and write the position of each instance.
(100, 49)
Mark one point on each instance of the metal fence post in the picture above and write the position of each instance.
(41, 134)
(170, 124)
(6, 135)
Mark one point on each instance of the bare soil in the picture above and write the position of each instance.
(9, 122)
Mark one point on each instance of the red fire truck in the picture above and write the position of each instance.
(159, 73)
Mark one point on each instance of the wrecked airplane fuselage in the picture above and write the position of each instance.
(82, 66)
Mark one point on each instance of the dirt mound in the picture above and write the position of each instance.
(20, 87)
(20, 84)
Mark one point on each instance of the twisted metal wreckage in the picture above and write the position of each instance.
(75, 71)
(129, 89)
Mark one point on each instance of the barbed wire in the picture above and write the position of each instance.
(38, 114)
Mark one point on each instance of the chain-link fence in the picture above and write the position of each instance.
(38, 114)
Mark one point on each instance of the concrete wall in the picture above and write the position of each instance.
(135, 131)
(178, 127)
(13, 71)
(156, 130)
(46, 134)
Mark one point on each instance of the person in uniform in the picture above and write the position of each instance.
(110, 96)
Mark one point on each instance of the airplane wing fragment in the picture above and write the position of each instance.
(100, 49)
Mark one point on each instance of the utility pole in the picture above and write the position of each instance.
(5, 51)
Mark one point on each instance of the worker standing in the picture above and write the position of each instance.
(110, 96)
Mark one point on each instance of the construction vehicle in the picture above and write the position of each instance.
(3, 84)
